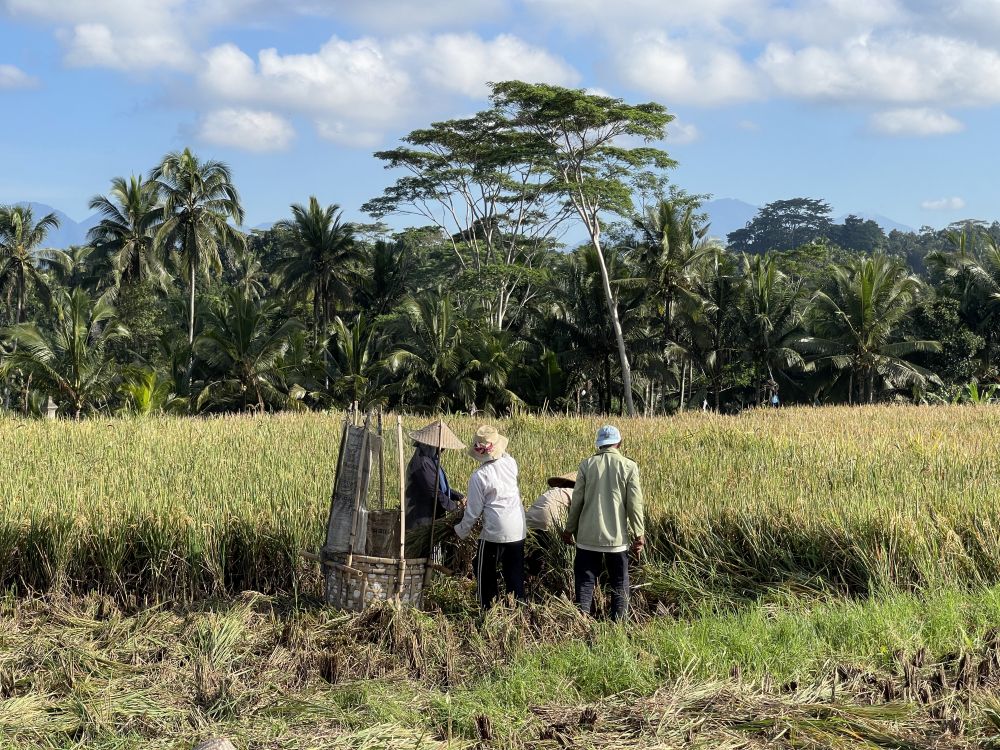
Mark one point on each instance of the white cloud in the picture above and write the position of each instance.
(398, 15)
(919, 121)
(96, 45)
(691, 72)
(249, 129)
(354, 89)
(902, 69)
(748, 125)
(120, 34)
(352, 79)
(943, 204)
(347, 134)
(465, 63)
(12, 77)
(680, 132)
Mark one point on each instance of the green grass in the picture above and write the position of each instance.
(794, 499)
(84, 673)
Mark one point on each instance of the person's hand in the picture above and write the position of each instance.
(567, 537)
(638, 544)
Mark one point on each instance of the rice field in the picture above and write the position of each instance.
(830, 579)
(844, 499)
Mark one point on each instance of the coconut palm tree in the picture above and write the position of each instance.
(69, 359)
(431, 355)
(242, 347)
(319, 248)
(856, 328)
(199, 201)
(356, 364)
(708, 317)
(671, 245)
(73, 267)
(971, 274)
(20, 237)
(770, 320)
(126, 233)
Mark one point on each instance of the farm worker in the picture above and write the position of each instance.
(606, 519)
(549, 510)
(494, 496)
(425, 477)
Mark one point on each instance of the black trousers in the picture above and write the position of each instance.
(588, 566)
(510, 556)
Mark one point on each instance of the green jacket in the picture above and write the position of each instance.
(606, 509)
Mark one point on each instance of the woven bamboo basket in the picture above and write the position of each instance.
(371, 579)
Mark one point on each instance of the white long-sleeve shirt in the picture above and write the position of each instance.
(494, 496)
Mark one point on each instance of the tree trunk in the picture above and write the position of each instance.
(20, 298)
(607, 386)
(680, 403)
(190, 371)
(616, 325)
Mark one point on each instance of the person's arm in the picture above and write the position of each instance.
(575, 506)
(473, 507)
(456, 496)
(634, 509)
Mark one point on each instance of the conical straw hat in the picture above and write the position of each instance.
(566, 480)
(429, 436)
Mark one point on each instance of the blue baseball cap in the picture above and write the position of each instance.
(608, 435)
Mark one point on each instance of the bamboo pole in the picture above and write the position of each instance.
(357, 492)
(402, 508)
(381, 463)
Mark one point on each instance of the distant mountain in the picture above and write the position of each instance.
(726, 215)
(69, 233)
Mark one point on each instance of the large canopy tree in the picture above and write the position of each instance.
(486, 185)
(581, 139)
(784, 225)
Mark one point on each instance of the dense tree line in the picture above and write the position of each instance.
(171, 308)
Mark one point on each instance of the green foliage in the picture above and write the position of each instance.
(480, 310)
(318, 248)
(857, 329)
(785, 225)
(68, 361)
(20, 236)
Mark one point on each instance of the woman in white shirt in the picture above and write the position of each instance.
(494, 496)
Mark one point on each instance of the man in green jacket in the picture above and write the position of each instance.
(606, 519)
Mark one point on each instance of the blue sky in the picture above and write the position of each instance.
(878, 106)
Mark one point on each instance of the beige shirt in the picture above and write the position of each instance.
(549, 510)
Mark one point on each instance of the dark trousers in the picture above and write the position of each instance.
(510, 556)
(588, 566)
